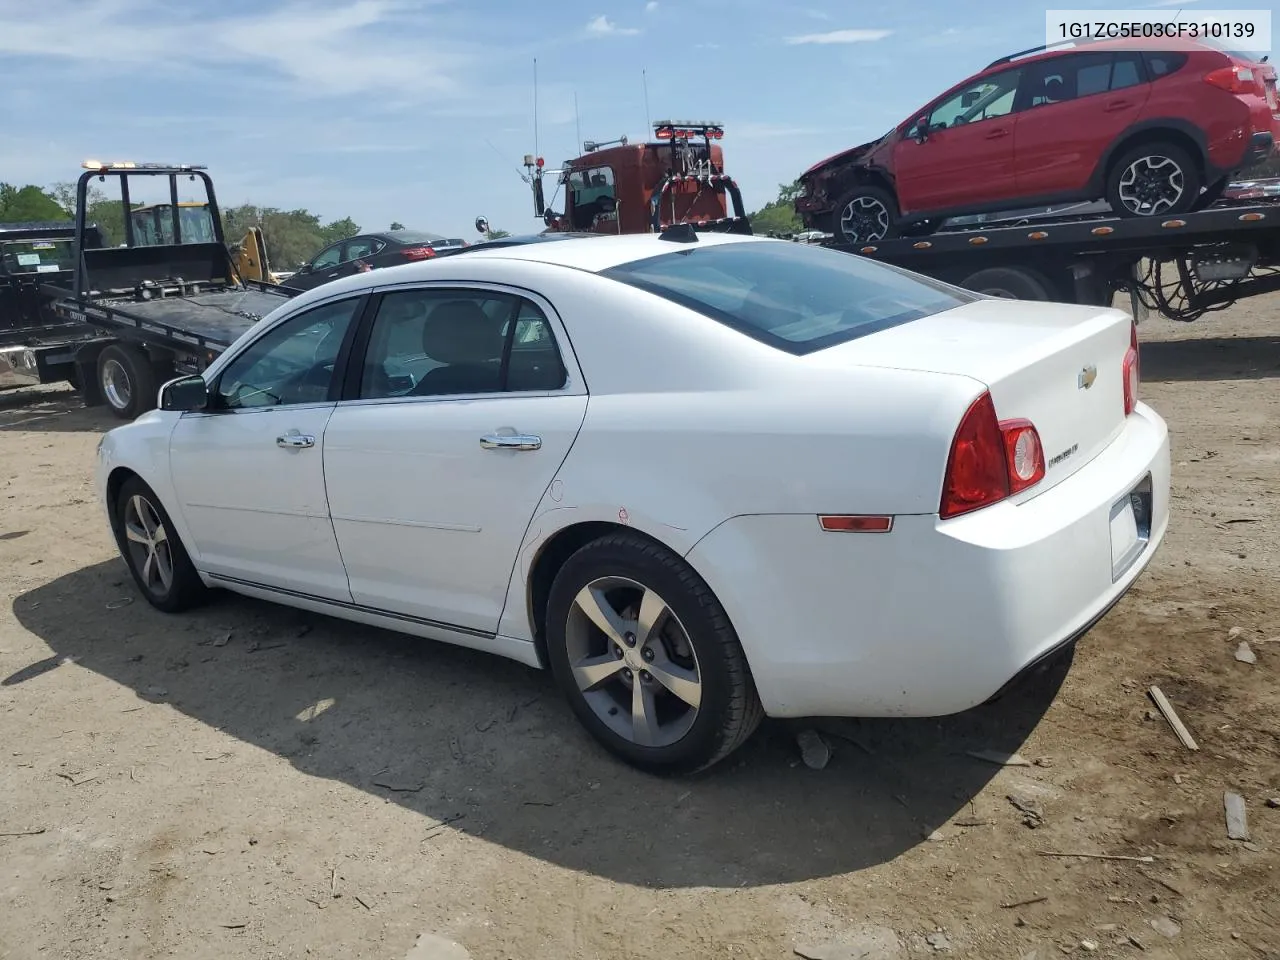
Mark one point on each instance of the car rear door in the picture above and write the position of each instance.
(466, 404)
(1074, 107)
(966, 156)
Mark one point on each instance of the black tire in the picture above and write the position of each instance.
(127, 380)
(1014, 283)
(185, 589)
(1160, 156)
(870, 196)
(729, 709)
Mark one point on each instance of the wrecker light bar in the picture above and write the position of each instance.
(131, 165)
(687, 129)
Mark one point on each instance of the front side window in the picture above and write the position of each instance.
(796, 297)
(983, 99)
(440, 342)
(293, 363)
(327, 258)
(360, 248)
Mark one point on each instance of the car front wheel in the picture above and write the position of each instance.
(153, 551)
(1153, 180)
(647, 658)
(866, 214)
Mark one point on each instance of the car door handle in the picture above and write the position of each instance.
(514, 441)
(332, 275)
(295, 441)
(1115, 105)
(997, 134)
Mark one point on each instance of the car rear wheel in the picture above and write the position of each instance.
(1153, 180)
(647, 658)
(153, 551)
(866, 214)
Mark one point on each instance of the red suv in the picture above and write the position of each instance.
(1151, 133)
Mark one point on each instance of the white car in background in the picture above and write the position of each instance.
(702, 478)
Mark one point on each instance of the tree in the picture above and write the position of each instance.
(779, 216)
(28, 204)
(497, 234)
(396, 225)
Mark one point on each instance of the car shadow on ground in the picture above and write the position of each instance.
(489, 748)
(1211, 358)
(52, 410)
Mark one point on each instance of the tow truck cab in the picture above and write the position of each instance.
(621, 187)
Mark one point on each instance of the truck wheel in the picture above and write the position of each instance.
(1153, 180)
(127, 380)
(1012, 283)
(866, 214)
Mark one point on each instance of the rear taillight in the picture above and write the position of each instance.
(1129, 372)
(990, 460)
(417, 253)
(1235, 79)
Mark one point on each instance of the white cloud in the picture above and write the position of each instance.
(840, 36)
(651, 6)
(602, 26)
(378, 43)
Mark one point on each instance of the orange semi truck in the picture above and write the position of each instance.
(621, 187)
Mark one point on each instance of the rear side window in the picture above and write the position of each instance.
(793, 296)
(35, 256)
(1162, 64)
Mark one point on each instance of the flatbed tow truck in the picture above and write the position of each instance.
(128, 318)
(1183, 266)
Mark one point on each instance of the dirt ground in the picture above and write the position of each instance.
(252, 782)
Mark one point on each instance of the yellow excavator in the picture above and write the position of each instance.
(153, 226)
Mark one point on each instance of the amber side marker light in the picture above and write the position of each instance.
(856, 524)
(1102, 231)
(1251, 217)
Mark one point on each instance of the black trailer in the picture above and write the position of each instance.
(127, 318)
(1182, 266)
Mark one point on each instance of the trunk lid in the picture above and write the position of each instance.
(1057, 365)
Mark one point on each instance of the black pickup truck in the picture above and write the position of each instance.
(118, 321)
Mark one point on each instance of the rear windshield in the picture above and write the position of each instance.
(793, 296)
(35, 256)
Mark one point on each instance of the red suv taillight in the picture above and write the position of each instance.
(1233, 79)
(990, 460)
(1129, 372)
(417, 253)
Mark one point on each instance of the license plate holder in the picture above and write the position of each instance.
(1130, 527)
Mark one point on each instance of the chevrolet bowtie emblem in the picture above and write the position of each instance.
(1086, 377)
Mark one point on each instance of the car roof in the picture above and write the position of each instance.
(603, 252)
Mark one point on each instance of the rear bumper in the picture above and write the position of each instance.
(1261, 146)
(935, 616)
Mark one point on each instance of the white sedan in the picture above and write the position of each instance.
(702, 479)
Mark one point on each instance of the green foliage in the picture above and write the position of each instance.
(27, 204)
(396, 225)
(778, 216)
(497, 234)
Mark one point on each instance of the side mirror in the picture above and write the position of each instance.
(482, 225)
(921, 127)
(305, 268)
(185, 395)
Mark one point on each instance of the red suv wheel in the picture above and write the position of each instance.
(866, 214)
(1153, 180)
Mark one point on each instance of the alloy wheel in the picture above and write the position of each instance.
(864, 220)
(1151, 185)
(633, 661)
(148, 542)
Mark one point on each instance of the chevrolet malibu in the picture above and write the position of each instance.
(701, 478)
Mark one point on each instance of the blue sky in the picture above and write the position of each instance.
(420, 110)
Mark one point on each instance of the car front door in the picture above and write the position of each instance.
(965, 157)
(467, 404)
(321, 268)
(249, 472)
(1075, 108)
